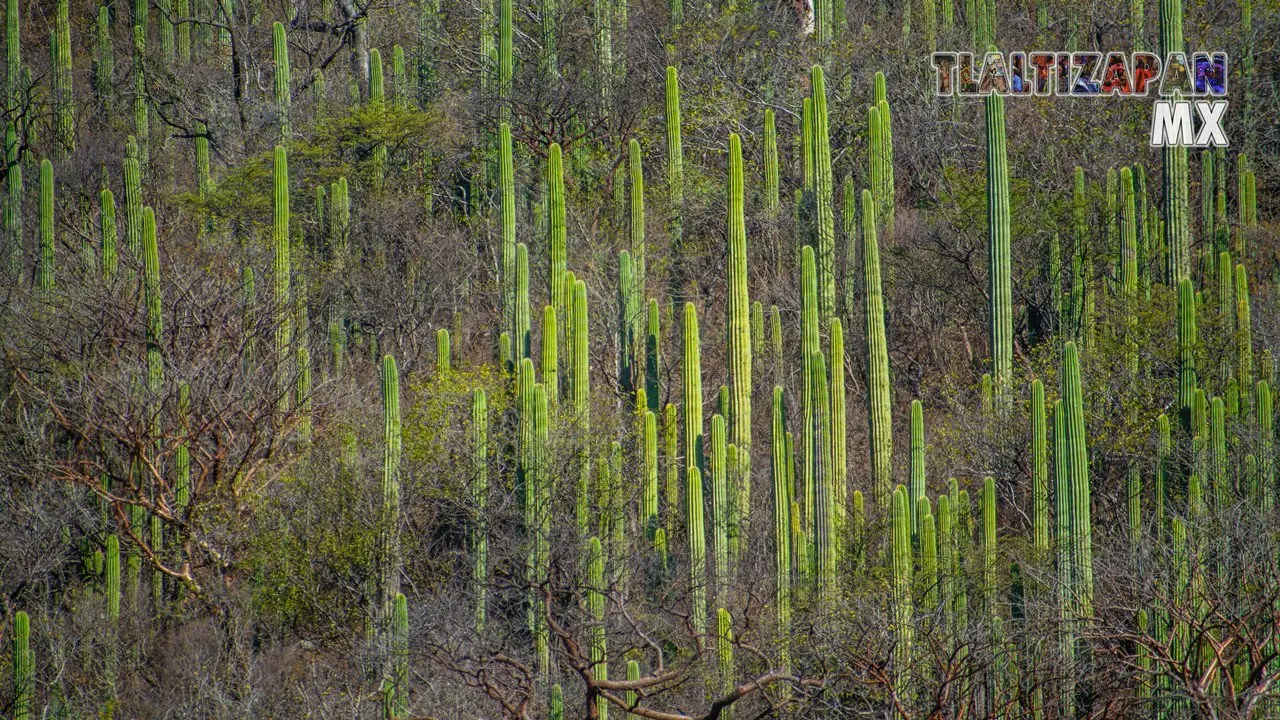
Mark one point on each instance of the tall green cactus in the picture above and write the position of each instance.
(506, 60)
(691, 374)
(697, 552)
(627, 370)
(580, 389)
(839, 467)
(377, 102)
(556, 235)
(823, 498)
(879, 410)
(13, 50)
(1039, 472)
(988, 577)
(521, 333)
(916, 487)
(772, 201)
(387, 567)
(675, 176)
(479, 490)
(1000, 289)
(824, 197)
(598, 650)
(13, 208)
(283, 77)
(636, 173)
(1177, 230)
(649, 462)
(282, 270)
(652, 355)
(141, 111)
(64, 118)
(1243, 334)
(724, 656)
(902, 609)
(739, 334)
(782, 531)
(550, 356)
(400, 658)
(810, 344)
(23, 668)
(719, 507)
(45, 264)
(155, 319)
(507, 190)
(1186, 350)
(1077, 467)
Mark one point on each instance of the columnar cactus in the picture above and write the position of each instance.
(901, 580)
(1266, 450)
(636, 171)
(808, 346)
(1186, 350)
(550, 356)
(387, 570)
(400, 658)
(998, 253)
(141, 112)
(879, 408)
(506, 60)
(1244, 333)
(64, 118)
(442, 352)
(627, 370)
(282, 271)
(13, 208)
(824, 197)
(507, 190)
(691, 373)
(772, 201)
(479, 489)
(988, 583)
(739, 329)
(782, 489)
(23, 667)
(597, 648)
(719, 507)
(916, 489)
(155, 320)
(45, 264)
(13, 50)
(1077, 467)
(724, 656)
(839, 440)
(1039, 472)
(580, 396)
(284, 96)
(1177, 230)
(377, 102)
(652, 355)
(823, 498)
(697, 551)
(556, 235)
(649, 462)
(521, 334)
(674, 476)
(675, 172)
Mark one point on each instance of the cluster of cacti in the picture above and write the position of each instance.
(645, 471)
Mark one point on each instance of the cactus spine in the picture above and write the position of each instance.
(739, 331)
(45, 266)
(879, 408)
(1000, 263)
(284, 97)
